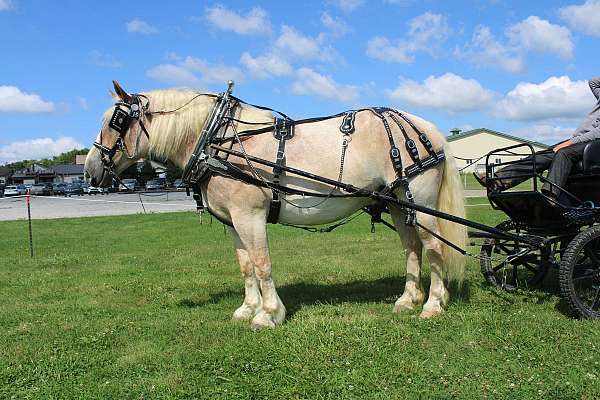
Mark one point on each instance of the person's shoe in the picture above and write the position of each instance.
(481, 179)
(494, 185)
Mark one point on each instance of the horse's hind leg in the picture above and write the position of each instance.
(252, 232)
(413, 295)
(252, 299)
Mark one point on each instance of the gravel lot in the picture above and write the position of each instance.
(44, 207)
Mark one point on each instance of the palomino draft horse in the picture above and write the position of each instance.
(168, 123)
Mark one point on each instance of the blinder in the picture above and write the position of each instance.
(120, 122)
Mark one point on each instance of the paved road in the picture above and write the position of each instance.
(43, 207)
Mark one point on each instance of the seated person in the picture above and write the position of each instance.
(558, 161)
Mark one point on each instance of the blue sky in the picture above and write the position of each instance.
(514, 66)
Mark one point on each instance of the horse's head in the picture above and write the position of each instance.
(123, 138)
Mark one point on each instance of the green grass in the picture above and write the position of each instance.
(470, 183)
(139, 307)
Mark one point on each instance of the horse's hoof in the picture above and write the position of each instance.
(244, 313)
(403, 307)
(431, 312)
(262, 321)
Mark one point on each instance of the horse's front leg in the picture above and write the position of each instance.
(252, 299)
(252, 231)
(413, 295)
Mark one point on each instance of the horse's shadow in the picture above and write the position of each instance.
(300, 294)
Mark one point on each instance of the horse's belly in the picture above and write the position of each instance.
(317, 210)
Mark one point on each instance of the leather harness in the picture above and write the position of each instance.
(205, 158)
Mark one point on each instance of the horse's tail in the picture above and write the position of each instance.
(451, 201)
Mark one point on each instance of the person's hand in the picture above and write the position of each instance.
(562, 145)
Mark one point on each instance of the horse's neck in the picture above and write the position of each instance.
(175, 135)
(247, 118)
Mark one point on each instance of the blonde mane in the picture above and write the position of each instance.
(171, 134)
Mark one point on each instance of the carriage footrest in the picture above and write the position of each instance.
(582, 216)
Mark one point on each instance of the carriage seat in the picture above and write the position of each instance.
(590, 164)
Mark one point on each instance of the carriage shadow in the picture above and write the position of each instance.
(547, 292)
(301, 294)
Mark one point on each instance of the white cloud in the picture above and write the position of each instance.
(309, 82)
(545, 133)
(212, 73)
(348, 5)
(37, 148)
(288, 47)
(5, 5)
(12, 99)
(139, 26)
(448, 92)
(296, 44)
(266, 65)
(533, 34)
(584, 17)
(485, 49)
(194, 72)
(104, 60)
(557, 97)
(255, 22)
(173, 74)
(426, 33)
(541, 36)
(337, 26)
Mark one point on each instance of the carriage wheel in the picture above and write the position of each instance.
(525, 271)
(580, 274)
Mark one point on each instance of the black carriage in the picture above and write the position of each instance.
(567, 229)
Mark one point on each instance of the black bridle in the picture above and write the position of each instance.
(125, 113)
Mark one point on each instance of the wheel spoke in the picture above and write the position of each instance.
(593, 256)
(596, 300)
(505, 249)
(529, 267)
(498, 267)
(583, 277)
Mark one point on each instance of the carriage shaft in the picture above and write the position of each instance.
(360, 192)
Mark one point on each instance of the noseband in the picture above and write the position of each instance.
(120, 121)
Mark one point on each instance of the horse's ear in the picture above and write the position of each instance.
(123, 95)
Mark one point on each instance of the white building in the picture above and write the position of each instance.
(469, 146)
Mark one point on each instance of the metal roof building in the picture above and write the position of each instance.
(471, 145)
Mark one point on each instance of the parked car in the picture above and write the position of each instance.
(23, 189)
(73, 188)
(96, 190)
(11, 190)
(178, 184)
(41, 189)
(59, 188)
(156, 184)
(130, 184)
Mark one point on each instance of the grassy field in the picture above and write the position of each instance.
(470, 183)
(139, 307)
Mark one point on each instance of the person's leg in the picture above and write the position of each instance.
(561, 166)
(520, 171)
